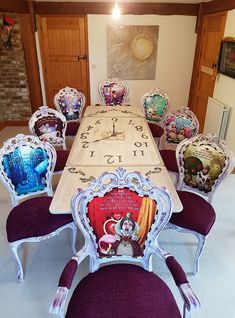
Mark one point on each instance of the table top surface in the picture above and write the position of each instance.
(109, 137)
(74, 178)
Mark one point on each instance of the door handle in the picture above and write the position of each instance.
(83, 57)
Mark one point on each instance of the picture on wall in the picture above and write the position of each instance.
(132, 51)
(226, 63)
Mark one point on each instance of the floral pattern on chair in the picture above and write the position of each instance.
(179, 125)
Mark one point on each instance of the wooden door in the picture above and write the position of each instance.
(212, 34)
(64, 51)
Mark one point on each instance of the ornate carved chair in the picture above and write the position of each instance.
(113, 92)
(204, 162)
(155, 104)
(120, 216)
(50, 125)
(178, 125)
(70, 102)
(26, 165)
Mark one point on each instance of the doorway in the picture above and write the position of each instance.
(64, 52)
(202, 85)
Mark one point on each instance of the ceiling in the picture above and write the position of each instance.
(130, 1)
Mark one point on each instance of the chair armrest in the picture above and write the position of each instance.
(65, 282)
(190, 299)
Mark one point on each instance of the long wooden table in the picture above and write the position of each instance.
(111, 137)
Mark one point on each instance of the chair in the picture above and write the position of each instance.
(178, 125)
(204, 162)
(155, 104)
(26, 165)
(120, 216)
(113, 92)
(70, 102)
(50, 126)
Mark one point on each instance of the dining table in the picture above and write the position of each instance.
(110, 137)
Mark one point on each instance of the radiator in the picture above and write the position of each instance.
(216, 120)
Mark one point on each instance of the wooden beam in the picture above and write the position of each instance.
(106, 8)
(218, 6)
(31, 62)
(16, 6)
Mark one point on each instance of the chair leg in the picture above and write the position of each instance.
(14, 250)
(186, 312)
(201, 242)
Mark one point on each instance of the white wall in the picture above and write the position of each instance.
(176, 47)
(225, 86)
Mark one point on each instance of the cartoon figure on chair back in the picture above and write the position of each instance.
(127, 236)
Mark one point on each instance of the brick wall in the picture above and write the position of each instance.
(14, 91)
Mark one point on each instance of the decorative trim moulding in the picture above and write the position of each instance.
(218, 6)
(6, 123)
(106, 8)
(23, 6)
(19, 6)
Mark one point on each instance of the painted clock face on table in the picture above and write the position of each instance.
(113, 141)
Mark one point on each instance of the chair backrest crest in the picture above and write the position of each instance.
(204, 161)
(120, 214)
(113, 92)
(155, 104)
(70, 102)
(26, 165)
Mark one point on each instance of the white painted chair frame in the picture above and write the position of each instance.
(221, 146)
(134, 181)
(8, 147)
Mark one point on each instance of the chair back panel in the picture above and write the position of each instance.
(179, 125)
(49, 125)
(70, 102)
(113, 92)
(204, 161)
(120, 215)
(155, 104)
(26, 166)
(121, 220)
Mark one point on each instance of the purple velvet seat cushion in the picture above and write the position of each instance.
(32, 218)
(156, 130)
(62, 156)
(169, 159)
(197, 214)
(122, 291)
(72, 128)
